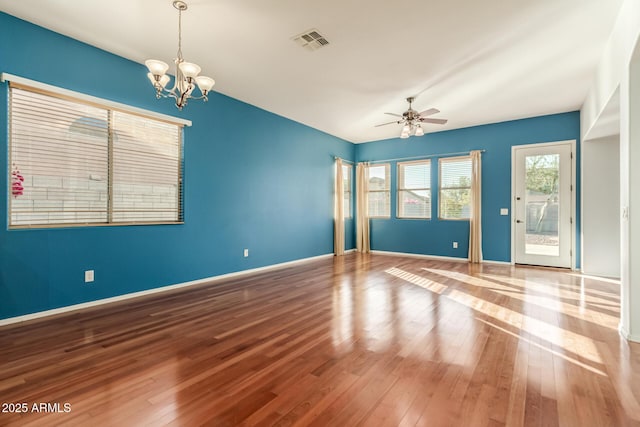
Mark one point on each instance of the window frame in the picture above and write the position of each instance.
(109, 107)
(440, 188)
(387, 167)
(347, 174)
(400, 188)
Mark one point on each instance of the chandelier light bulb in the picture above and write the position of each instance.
(164, 80)
(157, 68)
(205, 83)
(189, 69)
(419, 131)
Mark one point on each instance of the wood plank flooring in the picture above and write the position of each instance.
(369, 340)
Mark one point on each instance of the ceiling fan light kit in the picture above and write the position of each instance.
(412, 120)
(186, 73)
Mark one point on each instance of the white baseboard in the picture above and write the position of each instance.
(599, 275)
(626, 335)
(487, 261)
(435, 257)
(410, 255)
(132, 295)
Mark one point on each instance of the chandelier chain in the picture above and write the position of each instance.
(180, 34)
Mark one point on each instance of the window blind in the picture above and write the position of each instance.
(414, 189)
(455, 187)
(79, 163)
(378, 197)
(146, 169)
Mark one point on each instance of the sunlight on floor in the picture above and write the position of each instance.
(430, 285)
(342, 324)
(570, 341)
(555, 353)
(591, 308)
(587, 308)
(579, 312)
(556, 289)
(601, 279)
(556, 336)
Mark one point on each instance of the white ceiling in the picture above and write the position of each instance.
(477, 61)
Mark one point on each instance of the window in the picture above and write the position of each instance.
(346, 182)
(379, 194)
(414, 189)
(80, 163)
(455, 187)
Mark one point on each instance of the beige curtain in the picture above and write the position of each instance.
(362, 207)
(475, 202)
(338, 211)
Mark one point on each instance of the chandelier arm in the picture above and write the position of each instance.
(166, 94)
(197, 98)
(181, 101)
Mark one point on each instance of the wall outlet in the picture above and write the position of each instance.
(88, 276)
(504, 211)
(246, 253)
(455, 245)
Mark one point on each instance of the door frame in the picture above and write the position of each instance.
(574, 195)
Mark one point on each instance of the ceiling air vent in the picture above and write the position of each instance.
(311, 40)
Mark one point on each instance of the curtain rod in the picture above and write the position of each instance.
(343, 160)
(424, 157)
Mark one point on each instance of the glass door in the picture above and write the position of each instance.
(542, 215)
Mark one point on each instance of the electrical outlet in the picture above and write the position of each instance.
(246, 253)
(455, 245)
(504, 211)
(88, 276)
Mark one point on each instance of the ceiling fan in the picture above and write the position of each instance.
(412, 120)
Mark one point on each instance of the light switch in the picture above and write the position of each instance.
(504, 211)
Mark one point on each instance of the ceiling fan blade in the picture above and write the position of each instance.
(429, 112)
(394, 114)
(384, 124)
(434, 121)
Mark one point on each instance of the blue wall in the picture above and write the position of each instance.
(266, 186)
(435, 237)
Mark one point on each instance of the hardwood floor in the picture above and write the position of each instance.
(368, 340)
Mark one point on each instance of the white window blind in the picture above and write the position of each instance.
(81, 163)
(414, 189)
(455, 187)
(346, 182)
(146, 169)
(379, 194)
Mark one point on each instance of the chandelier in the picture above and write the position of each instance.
(412, 121)
(186, 74)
